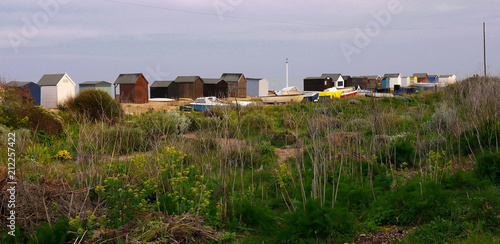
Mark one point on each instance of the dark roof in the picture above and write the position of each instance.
(231, 77)
(162, 83)
(20, 83)
(93, 82)
(333, 76)
(254, 79)
(420, 75)
(127, 78)
(433, 76)
(392, 75)
(50, 80)
(211, 81)
(315, 78)
(371, 77)
(186, 79)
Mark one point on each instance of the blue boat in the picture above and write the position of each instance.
(206, 103)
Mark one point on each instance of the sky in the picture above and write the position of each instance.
(97, 40)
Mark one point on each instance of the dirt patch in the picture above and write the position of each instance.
(284, 153)
(389, 235)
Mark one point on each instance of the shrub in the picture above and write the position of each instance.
(483, 137)
(358, 125)
(488, 166)
(125, 139)
(59, 233)
(42, 119)
(443, 119)
(95, 105)
(254, 122)
(399, 153)
(159, 124)
(13, 107)
(318, 223)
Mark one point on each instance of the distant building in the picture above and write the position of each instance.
(28, 89)
(237, 84)
(448, 79)
(390, 80)
(133, 88)
(257, 87)
(405, 81)
(215, 88)
(323, 82)
(367, 82)
(317, 83)
(101, 85)
(433, 78)
(164, 89)
(421, 77)
(55, 89)
(337, 79)
(190, 86)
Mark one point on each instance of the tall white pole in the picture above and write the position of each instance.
(286, 72)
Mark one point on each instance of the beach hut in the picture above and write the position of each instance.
(55, 89)
(448, 79)
(133, 88)
(337, 79)
(317, 83)
(257, 87)
(164, 89)
(421, 77)
(405, 81)
(367, 82)
(390, 80)
(237, 84)
(101, 85)
(433, 78)
(215, 88)
(28, 89)
(190, 86)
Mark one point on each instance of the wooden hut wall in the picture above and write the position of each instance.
(141, 90)
(127, 93)
(319, 84)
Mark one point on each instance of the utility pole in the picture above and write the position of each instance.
(286, 72)
(484, 46)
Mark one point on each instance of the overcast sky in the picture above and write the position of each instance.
(98, 40)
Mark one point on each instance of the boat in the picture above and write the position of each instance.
(296, 98)
(312, 96)
(161, 100)
(289, 90)
(329, 93)
(206, 103)
(378, 95)
(349, 94)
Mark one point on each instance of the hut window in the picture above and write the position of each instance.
(325, 82)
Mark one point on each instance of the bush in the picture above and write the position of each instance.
(42, 119)
(260, 123)
(13, 107)
(318, 223)
(484, 137)
(125, 139)
(399, 153)
(59, 233)
(358, 125)
(95, 105)
(488, 166)
(159, 124)
(442, 120)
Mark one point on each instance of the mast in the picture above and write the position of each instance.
(484, 47)
(286, 72)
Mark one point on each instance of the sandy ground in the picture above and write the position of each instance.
(133, 108)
